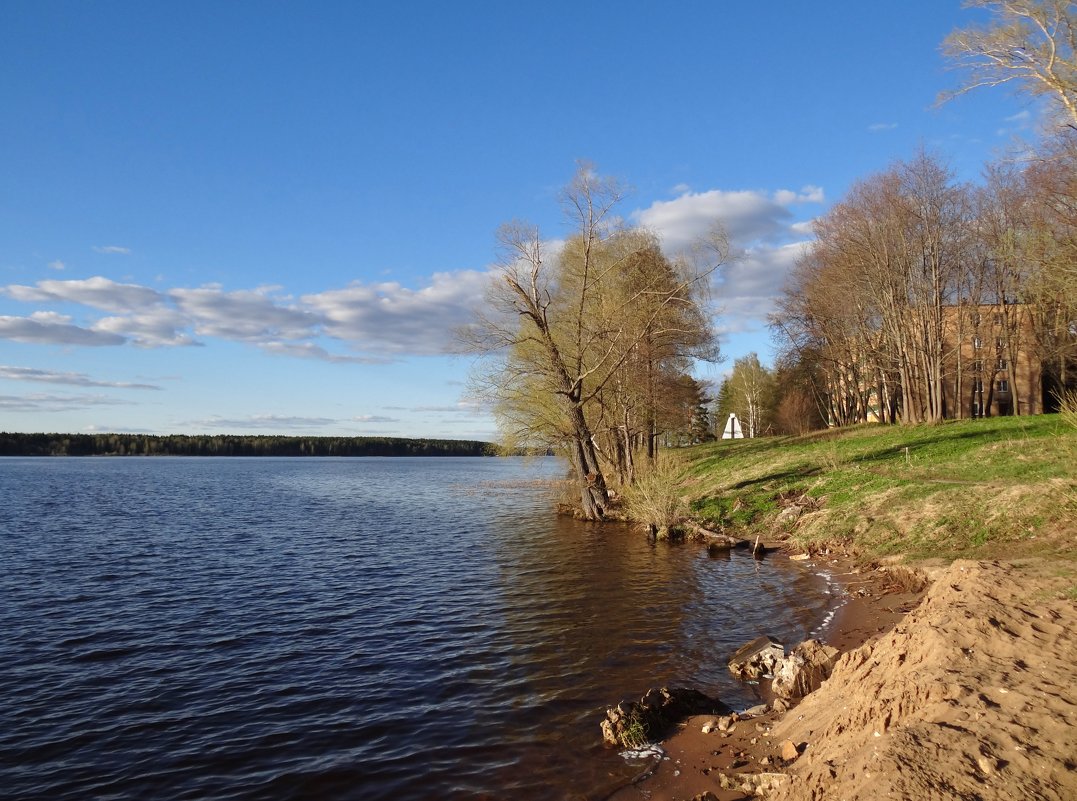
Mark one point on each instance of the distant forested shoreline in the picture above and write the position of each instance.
(15, 444)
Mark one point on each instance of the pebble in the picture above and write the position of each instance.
(789, 751)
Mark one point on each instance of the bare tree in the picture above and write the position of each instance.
(1030, 43)
(577, 339)
(871, 298)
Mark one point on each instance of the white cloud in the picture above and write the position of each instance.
(94, 428)
(765, 243)
(55, 403)
(680, 189)
(48, 331)
(157, 327)
(375, 418)
(460, 407)
(748, 286)
(73, 379)
(748, 216)
(878, 127)
(96, 292)
(388, 318)
(1020, 116)
(309, 350)
(112, 249)
(263, 422)
(378, 322)
(57, 265)
(809, 194)
(245, 315)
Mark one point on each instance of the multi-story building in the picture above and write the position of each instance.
(993, 366)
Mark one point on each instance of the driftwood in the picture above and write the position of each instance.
(715, 539)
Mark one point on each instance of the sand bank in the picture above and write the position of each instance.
(968, 693)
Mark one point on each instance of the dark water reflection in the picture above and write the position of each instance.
(364, 628)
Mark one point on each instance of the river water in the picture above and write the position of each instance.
(343, 629)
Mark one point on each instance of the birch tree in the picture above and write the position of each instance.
(1028, 43)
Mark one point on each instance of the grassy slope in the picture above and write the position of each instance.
(977, 488)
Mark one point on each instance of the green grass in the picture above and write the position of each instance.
(976, 488)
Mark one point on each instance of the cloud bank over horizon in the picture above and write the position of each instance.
(380, 322)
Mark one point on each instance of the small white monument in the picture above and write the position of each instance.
(732, 428)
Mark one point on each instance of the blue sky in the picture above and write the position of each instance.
(268, 216)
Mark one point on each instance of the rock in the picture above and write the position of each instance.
(808, 666)
(634, 723)
(757, 658)
(725, 723)
(789, 751)
(720, 550)
(706, 796)
(780, 706)
(790, 514)
(709, 726)
(800, 557)
(755, 711)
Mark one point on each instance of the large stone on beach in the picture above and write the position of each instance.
(633, 723)
(756, 659)
(807, 667)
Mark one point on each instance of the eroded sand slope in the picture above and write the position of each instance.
(971, 696)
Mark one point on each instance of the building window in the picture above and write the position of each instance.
(998, 318)
(1001, 364)
(977, 366)
(1003, 385)
(977, 386)
(998, 343)
(977, 343)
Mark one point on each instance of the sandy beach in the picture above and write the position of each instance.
(962, 691)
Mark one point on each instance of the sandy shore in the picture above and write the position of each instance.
(965, 693)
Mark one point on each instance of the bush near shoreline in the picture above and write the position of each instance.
(988, 488)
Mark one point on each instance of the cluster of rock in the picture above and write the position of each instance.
(792, 676)
(632, 724)
(654, 714)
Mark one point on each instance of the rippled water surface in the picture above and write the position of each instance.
(342, 629)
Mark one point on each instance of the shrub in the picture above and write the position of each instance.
(655, 497)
